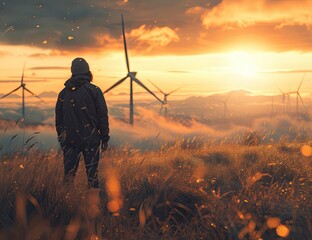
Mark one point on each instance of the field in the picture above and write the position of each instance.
(189, 190)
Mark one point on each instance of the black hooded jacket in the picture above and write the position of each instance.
(81, 114)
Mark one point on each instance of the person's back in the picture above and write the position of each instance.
(81, 121)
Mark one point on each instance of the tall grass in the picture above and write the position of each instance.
(186, 191)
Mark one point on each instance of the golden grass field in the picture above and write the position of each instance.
(184, 191)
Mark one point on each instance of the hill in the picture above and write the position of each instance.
(48, 94)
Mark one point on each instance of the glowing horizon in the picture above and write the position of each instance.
(202, 74)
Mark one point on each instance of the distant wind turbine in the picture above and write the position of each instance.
(131, 75)
(23, 87)
(298, 96)
(164, 104)
(284, 95)
(225, 107)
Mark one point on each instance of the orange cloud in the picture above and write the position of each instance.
(49, 53)
(195, 10)
(149, 38)
(231, 14)
(108, 42)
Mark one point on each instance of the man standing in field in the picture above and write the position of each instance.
(81, 122)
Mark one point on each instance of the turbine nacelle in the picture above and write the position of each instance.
(132, 74)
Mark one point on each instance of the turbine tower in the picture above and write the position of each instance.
(164, 104)
(131, 75)
(23, 87)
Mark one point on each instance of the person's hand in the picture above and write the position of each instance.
(62, 137)
(104, 146)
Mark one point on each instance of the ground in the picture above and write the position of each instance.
(188, 190)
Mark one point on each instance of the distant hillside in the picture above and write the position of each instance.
(13, 95)
(48, 94)
(238, 96)
(240, 92)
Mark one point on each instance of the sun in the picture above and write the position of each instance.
(242, 63)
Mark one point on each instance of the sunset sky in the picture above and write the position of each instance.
(206, 46)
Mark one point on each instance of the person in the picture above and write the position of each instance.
(81, 120)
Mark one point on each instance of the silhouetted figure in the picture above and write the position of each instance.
(81, 122)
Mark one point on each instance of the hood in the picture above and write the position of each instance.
(76, 82)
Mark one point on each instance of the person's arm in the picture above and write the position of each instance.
(59, 113)
(102, 115)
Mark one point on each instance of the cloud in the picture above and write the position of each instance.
(106, 41)
(50, 53)
(282, 128)
(178, 71)
(242, 13)
(53, 25)
(256, 37)
(149, 132)
(149, 38)
(288, 71)
(49, 68)
(281, 25)
(160, 27)
(152, 131)
(68, 26)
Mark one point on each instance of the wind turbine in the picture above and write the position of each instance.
(164, 104)
(131, 75)
(297, 93)
(225, 107)
(284, 95)
(23, 87)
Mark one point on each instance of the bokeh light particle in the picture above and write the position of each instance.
(282, 231)
(273, 222)
(306, 150)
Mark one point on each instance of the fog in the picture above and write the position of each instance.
(151, 131)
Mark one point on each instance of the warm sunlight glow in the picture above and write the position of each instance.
(242, 63)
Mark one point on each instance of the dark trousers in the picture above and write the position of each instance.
(91, 157)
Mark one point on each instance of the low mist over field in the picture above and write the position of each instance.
(151, 129)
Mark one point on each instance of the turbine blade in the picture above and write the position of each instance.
(175, 90)
(279, 89)
(116, 84)
(10, 92)
(301, 82)
(143, 86)
(22, 79)
(125, 42)
(33, 94)
(301, 100)
(157, 87)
